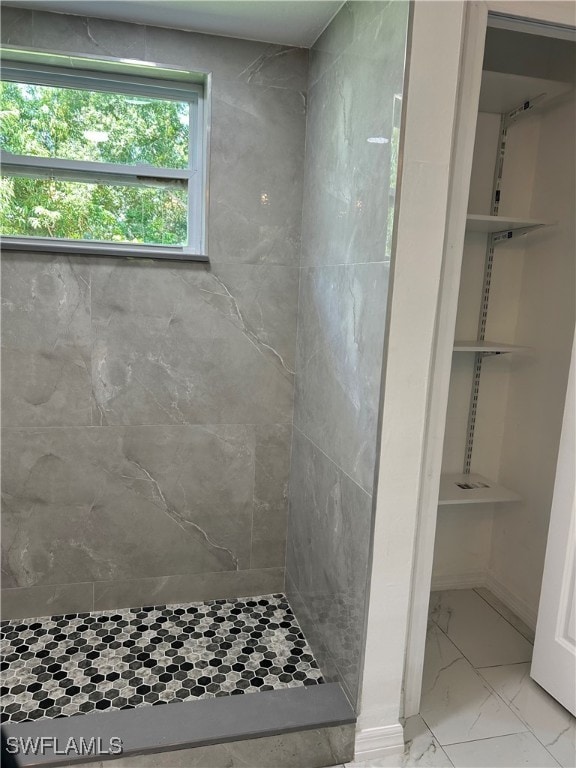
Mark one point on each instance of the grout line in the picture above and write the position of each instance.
(502, 615)
(338, 467)
(462, 652)
(484, 682)
(484, 738)
(508, 664)
(518, 714)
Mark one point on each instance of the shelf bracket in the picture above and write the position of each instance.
(523, 109)
(510, 234)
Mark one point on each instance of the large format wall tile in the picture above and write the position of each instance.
(115, 503)
(343, 31)
(179, 378)
(45, 341)
(182, 345)
(256, 178)
(354, 105)
(187, 588)
(16, 26)
(78, 34)
(272, 463)
(230, 59)
(328, 542)
(50, 600)
(349, 143)
(342, 313)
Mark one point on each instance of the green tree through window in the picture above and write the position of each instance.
(77, 124)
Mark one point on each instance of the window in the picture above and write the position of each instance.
(102, 157)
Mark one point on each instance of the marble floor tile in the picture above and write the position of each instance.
(519, 749)
(457, 705)
(422, 750)
(504, 611)
(483, 636)
(554, 727)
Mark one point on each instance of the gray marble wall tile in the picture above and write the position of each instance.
(261, 300)
(272, 462)
(182, 345)
(116, 503)
(17, 25)
(82, 35)
(313, 631)
(347, 183)
(342, 314)
(25, 602)
(327, 553)
(189, 587)
(230, 59)
(45, 341)
(354, 94)
(256, 172)
(122, 347)
(346, 31)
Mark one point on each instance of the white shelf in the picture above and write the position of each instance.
(486, 492)
(487, 224)
(494, 347)
(503, 92)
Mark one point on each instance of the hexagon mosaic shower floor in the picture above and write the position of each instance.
(60, 666)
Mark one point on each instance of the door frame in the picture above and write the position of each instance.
(472, 51)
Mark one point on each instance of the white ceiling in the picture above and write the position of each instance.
(288, 22)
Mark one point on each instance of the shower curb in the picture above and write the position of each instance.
(185, 725)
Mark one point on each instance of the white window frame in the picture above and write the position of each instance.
(117, 76)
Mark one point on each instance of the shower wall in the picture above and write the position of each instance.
(354, 100)
(147, 406)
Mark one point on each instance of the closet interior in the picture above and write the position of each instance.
(515, 323)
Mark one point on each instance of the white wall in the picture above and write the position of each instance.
(464, 534)
(536, 392)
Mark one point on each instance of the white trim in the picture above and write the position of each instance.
(470, 580)
(426, 152)
(544, 29)
(516, 604)
(90, 170)
(472, 52)
(375, 743)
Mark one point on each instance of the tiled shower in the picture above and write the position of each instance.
(188, 449)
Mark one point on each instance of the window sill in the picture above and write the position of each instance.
(78, 248)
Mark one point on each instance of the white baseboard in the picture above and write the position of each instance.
(516, 604)
(374, 743)
(469, 580)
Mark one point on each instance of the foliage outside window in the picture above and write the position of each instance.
(112, 162)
